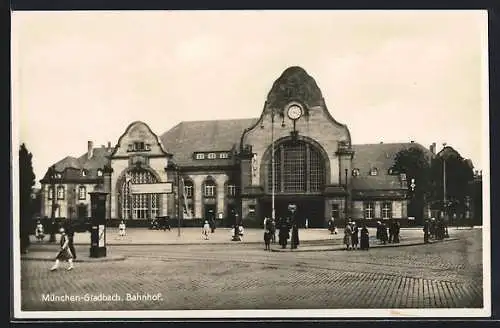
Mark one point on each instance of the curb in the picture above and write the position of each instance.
(336, 249)
(113, 258)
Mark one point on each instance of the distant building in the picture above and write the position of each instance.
(226, 167)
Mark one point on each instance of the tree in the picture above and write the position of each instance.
(459, 176)
(26, 183)
(416, 165)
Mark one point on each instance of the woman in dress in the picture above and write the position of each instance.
(121, 228)
(205, 230)
(64, 253)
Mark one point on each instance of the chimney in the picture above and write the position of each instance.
(432, 148)
(90, 149)
(109, 145)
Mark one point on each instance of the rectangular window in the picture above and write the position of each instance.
(60, 192)
(139, 146)
(369, 210)
(82, 193)
(200, 156)
(231, 190)
(50, 192)
(188, 191)
(386, 210)
(223, 155)
(212, 156)
(209, 190)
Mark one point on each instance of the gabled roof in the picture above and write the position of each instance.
(71, 167)
(380, 156)
(186, 138)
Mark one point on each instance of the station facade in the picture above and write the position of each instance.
(295, 150)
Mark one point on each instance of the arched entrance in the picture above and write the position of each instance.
(299, 178)
(138, 206)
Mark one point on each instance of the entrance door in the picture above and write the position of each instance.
(81, 211)
(311, 208)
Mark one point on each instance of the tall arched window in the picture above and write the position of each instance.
(139, 206)
(298, 168)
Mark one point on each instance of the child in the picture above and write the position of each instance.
(39, 231)
(64, 252)
(121, 229)
(205, 230)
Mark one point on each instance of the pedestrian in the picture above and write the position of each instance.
(307, 223)
(273, 231)
(284, 234)
(212, 225)
(354, 236)
(397, 229)
(64, 253)
(295, 236)
(70, 232)
(432, 228)
(39, 234)
(365, 241)
(426, 231)
(121, 229)
(383, 233)
(205, 230)
(347, 236)
(391, 231)
(265, 222)
(379, 230)
(331, 225)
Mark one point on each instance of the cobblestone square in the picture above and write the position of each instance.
(244, 276)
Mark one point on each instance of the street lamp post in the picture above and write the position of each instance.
(346, 209)
(52, 175)
(273, 169)
(445, 205)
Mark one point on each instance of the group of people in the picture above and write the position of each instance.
(393, 236)
(434, 229)
(288, 230)
(352, 238)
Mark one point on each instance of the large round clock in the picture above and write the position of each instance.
(294, 112)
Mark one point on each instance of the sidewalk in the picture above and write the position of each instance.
(190, 236)
(373, 244)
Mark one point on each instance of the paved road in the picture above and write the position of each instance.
(244, 276)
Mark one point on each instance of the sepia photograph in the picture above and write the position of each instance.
(250, 164)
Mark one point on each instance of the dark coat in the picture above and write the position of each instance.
(295, 236)
(365, 241)
(355, 235)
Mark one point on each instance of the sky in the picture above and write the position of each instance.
(391, 76)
